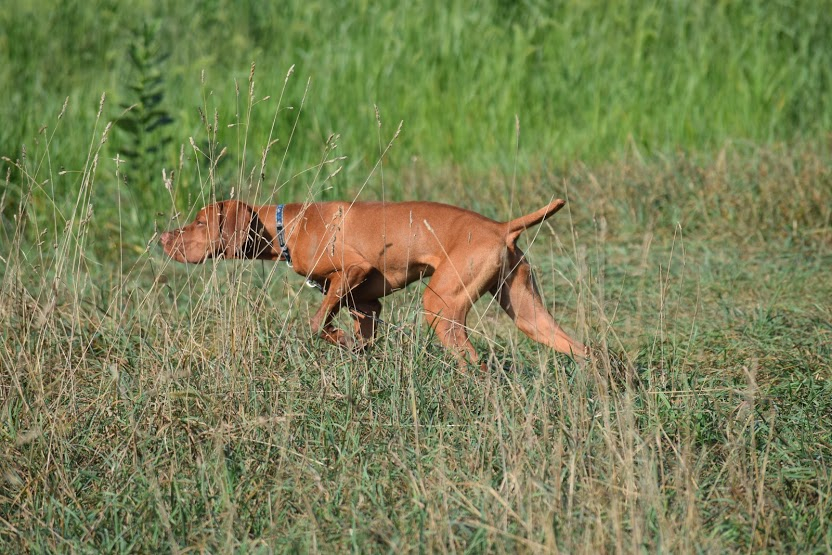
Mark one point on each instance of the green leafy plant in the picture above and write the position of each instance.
(145, 121)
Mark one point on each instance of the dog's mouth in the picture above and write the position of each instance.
(174, 246)
(179, 253)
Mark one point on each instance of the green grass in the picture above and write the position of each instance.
(585, 82)
(588, 80)
(147, 406)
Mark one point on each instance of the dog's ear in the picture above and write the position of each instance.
(235, 229)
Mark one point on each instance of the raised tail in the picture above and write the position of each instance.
(517, 226)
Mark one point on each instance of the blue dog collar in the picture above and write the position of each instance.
(284, 248)
(281, 235)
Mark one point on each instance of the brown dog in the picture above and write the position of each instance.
(359, 252)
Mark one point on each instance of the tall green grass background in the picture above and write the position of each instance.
(588, 80)
(147, 406)
(585, 81)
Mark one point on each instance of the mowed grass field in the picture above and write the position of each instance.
(148, 406)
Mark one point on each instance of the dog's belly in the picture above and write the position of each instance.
(384, 281)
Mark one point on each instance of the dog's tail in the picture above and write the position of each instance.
(517, 226)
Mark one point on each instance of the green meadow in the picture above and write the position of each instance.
(148, 406)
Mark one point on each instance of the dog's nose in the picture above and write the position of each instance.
(167, 239)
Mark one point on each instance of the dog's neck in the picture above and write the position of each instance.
(267, 216)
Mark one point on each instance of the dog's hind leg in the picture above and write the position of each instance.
(518, 296)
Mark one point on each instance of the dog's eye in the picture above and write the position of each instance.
(200, 222)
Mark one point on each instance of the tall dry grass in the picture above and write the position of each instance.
(147, 406)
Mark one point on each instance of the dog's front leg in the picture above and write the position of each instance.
(321, 322)
(337, 295)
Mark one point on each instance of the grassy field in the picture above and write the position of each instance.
(146, 406)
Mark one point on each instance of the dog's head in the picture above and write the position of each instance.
(225, 229)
